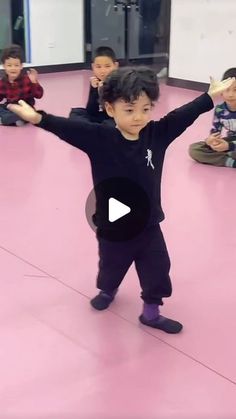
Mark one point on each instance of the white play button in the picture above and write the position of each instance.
(117, 210)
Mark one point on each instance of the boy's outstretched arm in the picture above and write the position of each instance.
(79, 134)
(176, 122)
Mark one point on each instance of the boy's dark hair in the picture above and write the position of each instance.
(13, 51)
(128, 83)
(231, 72)
(105, 52)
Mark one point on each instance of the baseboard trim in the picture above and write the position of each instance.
(57, 68)
(187, 84)
(61, 67)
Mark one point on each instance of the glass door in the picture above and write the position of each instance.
(149, 27)
(14, 27)
(108, 26)
(135, 29)
(5, 24)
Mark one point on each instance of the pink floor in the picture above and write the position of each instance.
(59, 359)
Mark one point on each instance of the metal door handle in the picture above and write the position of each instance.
(126, 4)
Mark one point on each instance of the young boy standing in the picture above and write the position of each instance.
(125, 158)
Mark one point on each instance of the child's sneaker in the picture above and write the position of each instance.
(103, 299)
(162, 323)
(151, 317)
(20, 123)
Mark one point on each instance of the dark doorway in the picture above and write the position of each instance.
(137, 30)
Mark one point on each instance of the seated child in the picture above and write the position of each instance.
(219, 150)
(15, 85)
(104, 63)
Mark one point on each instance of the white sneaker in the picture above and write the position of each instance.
(20, 123)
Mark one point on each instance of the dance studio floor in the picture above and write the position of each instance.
(59, 358)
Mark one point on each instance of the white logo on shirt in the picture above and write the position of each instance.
(149, 158)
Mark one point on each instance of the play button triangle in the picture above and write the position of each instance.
(116, 210)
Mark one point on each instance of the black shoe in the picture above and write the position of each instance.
(162, 323)
(102, 300)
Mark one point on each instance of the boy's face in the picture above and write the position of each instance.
(229, 96)
(130, 118)
(12, 67)
(102, 66)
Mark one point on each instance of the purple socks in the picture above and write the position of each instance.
(151, 317)
(151, 311)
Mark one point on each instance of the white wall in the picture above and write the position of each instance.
(202, 39)
(56, 31)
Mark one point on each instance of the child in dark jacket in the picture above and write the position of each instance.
(104, 63)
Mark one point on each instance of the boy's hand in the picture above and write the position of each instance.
(33, 75)
(221, 146)
(94, 81)
(217, 87)
(26, 112)
(100, 84)
(213, 139)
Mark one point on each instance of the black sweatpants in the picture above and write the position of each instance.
(149, 253)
